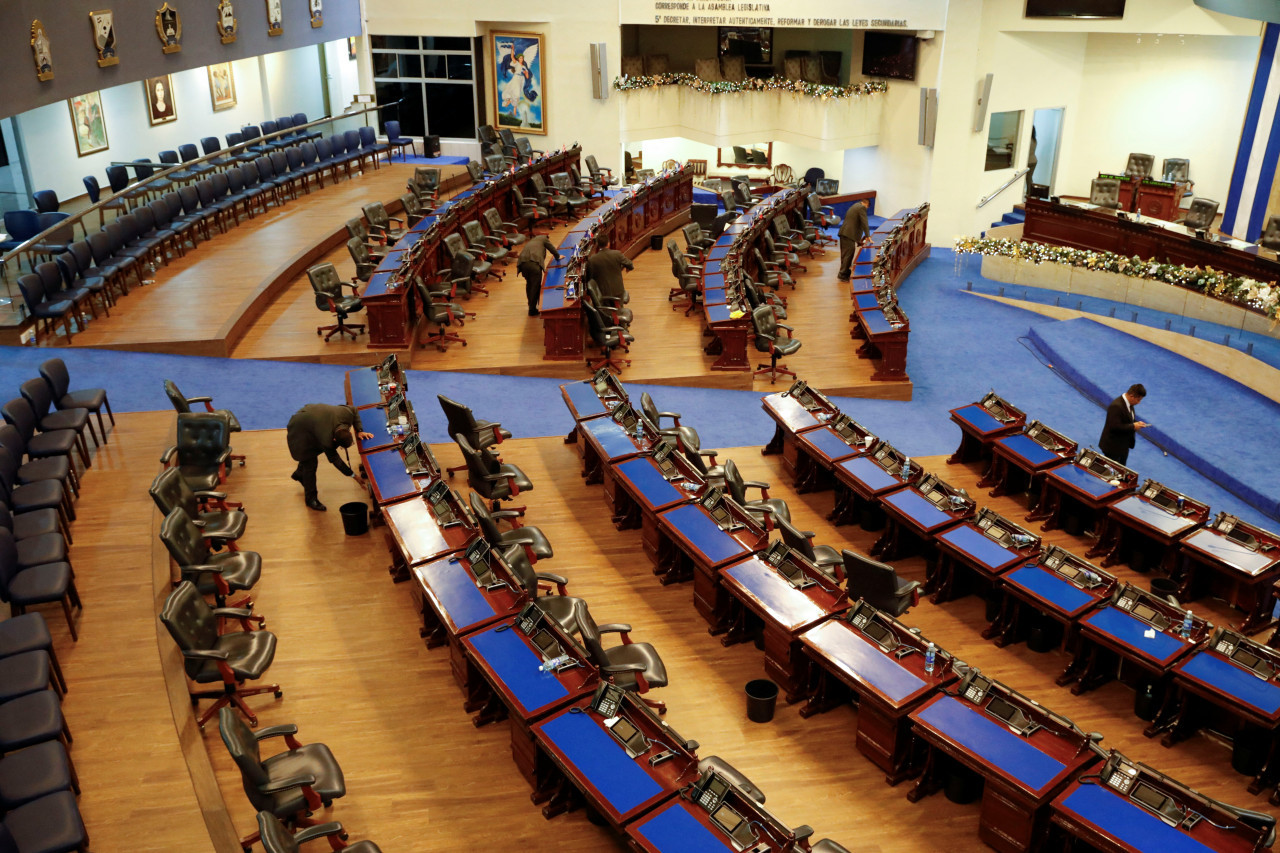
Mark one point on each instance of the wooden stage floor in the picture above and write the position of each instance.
(419, 776)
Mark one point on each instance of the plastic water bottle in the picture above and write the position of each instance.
(1182, 502)
(930, 656)
(906, 467)
(1186, 625)
(554, 664)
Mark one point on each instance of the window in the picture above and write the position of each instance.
(1002, 139)
(427, 83)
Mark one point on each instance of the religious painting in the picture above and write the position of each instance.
(160, 106)
(104, 37)
(88, 122)
(317, 14)
(41, 51)
(222, 86)
(275, 17)
(519, 81)
(169, 29)
(226, 21)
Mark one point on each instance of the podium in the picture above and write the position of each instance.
(1159, 199)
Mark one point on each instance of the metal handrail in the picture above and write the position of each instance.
(78, 219)
(1004, 186)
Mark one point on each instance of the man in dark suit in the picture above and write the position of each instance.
(317, 429)
(854, 233)
(1119, 433)
(605, 267)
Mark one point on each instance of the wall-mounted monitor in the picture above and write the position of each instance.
(754, 44)
(1075, 8)
(889, 55)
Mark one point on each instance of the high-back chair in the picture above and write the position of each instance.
(608, 338)
(276, 837)
(494, 164)
(460, 420)
(476, 171)
(201, 451)
(632, 666)
(508, 232)
(827, 559)
(480, 244)
(531, 539)
(1201, 215)
(454, 246)
(442, 311)
(600, 175)
(38, 396)
(557, 605)
(878, 584)
(380, 223)
(490, 477)
(527, 208)
(769, 340)
(328, 285)
(412, 209)
(765, 509)
(1105, 193)
(549, 197)
(1139, 166)
(1271, 234)
(217, 574)
(370, 145)
(365, 264)
(572, 194)
(219, 520)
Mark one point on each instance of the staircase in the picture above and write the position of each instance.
(1017, 216)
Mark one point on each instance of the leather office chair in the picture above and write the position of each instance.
(592, 190)
(608, 338)
(768, 340)
(827, 186)
(481, 266)
(696, 240)
(770, 273)
(688, 279)
(763, 510)
(549, 198)
(475, 171)
(728, 200)
(182, 403)
(599, 174)
(380, 227)
(828, 560)
(791, 237)
(219, 521)
(218, 574)
(685, 436)
(490, 477)
(878, 584)
(632, 666)
(572, 193)
(508, 140)
(202, 451)
(821, 217)
(489, 141)
(425, 184)
(226, 659)
(556, 604)
(397, 142)
(525, 149)
(1178, 170)
(1105, 193)
(22, 587)
(412, 209)
(742, 191)
(735, 777)
(327, 286)
(293, 784)
(1271, 234)
(480, 244)
(528, 209)
(756, 297)
(276, 837)
(1202, 214)
(494, 164)
(439, 309)
(365, 264)
(1139, 166)
(480, 434)
(779, 254)
(531, 539)
(610, 307)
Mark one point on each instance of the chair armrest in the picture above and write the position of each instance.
(233, 612)
(168, 454)
(637, 668)
(302, 780)
(507, 513)
(756, 484)
(276, 731)
(311, 833)
(617, 628)
(675, 416)
(788, 328)
(905, 588)
(550, 577)
(211, 496)
(224, 456)
(204, 654)
(205, 400)
(802, 831)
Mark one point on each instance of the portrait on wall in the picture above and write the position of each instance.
(275, 18)
(104, 37)
(169, 29)
(222, 86)
(351, 48)
(226, 21)
(41, 51)
(160, 106)
(317, 14)
(88, 122)
(519, 80)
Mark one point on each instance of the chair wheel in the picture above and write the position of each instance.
(344, 836)
(279, 693)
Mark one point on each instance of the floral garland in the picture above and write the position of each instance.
(1262, 296)
(773, 84)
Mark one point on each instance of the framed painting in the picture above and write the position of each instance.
(160, 106)
(89, 124)
(222, 86)
(518, 72)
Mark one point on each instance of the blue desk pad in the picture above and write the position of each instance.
(1236, 556)
(789, 412)
(991, 741)
(714, 296)
(584, 398)
(1128, 823)
(1119, 625)
(865, 300)
(845, 647)
(703, 533)
(1083, 480)
(978, 545)
(364, 388)
(1028, 449)
(553, 298)
(978, 418)
(376, 425)
(377, 285)
(1234, 681)
(1148, 513)
(711, 267)
(829, 443)
(456, 591)
(869, 474)
(720, 313)
(649, 482)
(917, 507)
(672, 829)
(875, 322)
(601, 760)
(612, 438)
(1049, 587)
(515, 664)
(718, 252)
(788, 606)
(386, 468)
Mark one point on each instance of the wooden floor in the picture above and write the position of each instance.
(419, 775)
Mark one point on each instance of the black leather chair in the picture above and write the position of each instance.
(757, 296)
(571, 193)
(200, 452)
(735, 777)
(462, 421)
(525, 149)
(828, 560)
(440, 309)
(50, 824)
(685, 436)
(293, 784)
(1139, 166)
(878, 584)
(219, 522)
(380, 223)
(697, 241)
(1105, 193)
(632, 666)
(765, 509)
(360, 256)
(770, 273)
(1271, 234)
(600, 175)
(213, 574)
(614, 312)
(556, 604)
(528, 209)
(228, 660)
(23, 587)
(531, 539)
(276, 837)
(792, 238)
(608, 337)
(688, 277)
(1201, 215)
(508, 232)
(425, 184)
(769, 340)
(327, 286)
(182, 403)
(491, 478)
(549, 198)
(454, 246)
(479, 244)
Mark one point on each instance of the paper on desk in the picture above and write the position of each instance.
(1150, 633)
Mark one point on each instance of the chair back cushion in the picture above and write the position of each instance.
(376, 214)
(275, 837)
(655, 64)
(633, 66)
(202, 437)
(474, 233)
(1271, 234)
(54, 372)
(707, 69)
(427, 176)
(243, 748)
(46, 200)
(179, 533)
(1176, 169)
(734, 68)
(326, 283)
(190, 621)
(356, 228)
(8, 561)
(36, 391)
(476, 171)
(495, 163)
(169, 491)
(1139, 166)
(1105, 192)
(18, 411)
(453, 245)
(1202, 213)
(868, 579)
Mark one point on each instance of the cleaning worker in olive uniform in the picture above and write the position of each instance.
(319, 428)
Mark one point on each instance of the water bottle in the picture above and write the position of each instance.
(639, 431)
(930, 655)
(554, 664)
(1182, 502)
(906, 467)
(1186, 625)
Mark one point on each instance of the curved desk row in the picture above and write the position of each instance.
(629, 219)
(897, 247)
(388, 299)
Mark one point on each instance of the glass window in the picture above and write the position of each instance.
(451, 110)
(459, 67)
(410, 65)
(393, 42)
(402, 67)
(408, 111)
(1002, 139)
(434, 65)
(446, 43)
(385, 65)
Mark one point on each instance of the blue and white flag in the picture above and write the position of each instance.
(1255, 169)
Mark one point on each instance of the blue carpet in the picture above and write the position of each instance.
(1182, 398)
(452, 160)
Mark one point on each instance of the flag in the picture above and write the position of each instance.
(1254, 174)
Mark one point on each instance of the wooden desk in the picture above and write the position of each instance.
(636, 492)
(1018, 462)
(820, 449)
(1215, 563)
(792, 414)
(981, 423)
(1156, 519)
(1159, 199)
(862, 481)
(1058, 586)
(602, 442)
(414, 536)
(680, 827)
(692, 545)
(970, 551)
(1078, 487)
(916, 515)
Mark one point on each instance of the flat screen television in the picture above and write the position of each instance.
(1075, 8)
(754, 44)
(889, 55)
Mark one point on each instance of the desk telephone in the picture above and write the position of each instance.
(1075, 569)
(713, 502)
(1128, 598)
(388, 369)
(777, 556)
(977, 689)
(1045, 437)
(887, 457)
(608, 699)
(1122, 776)
(804, 395)
(1002, 531)
(709, 793)
(625, 416)
(606, 384)
(1097, 464)
(438, 497)
(662, 458)
(1161, 496)
(1229, 525)
(999, 409)
(941, 495)
(850, 430)
(412, 449)
(1243, 651)
(477, 555)
(863, 617)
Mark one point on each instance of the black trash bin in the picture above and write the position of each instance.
(655, 242)
(1164, 587)
(355, 518)
(762, 699)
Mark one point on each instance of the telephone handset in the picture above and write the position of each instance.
(412, 449)
(530, 616)
(477, 555)
(1096, 464)
(1152, 489)
(841, 427)
(800, 391)
(1119, 774)
(996, 407)
(608, 699)
(776, 553)
(601, 381)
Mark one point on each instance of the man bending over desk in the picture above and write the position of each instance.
(605, 267)
(854, 233)
(319, 428)
(533, 257)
